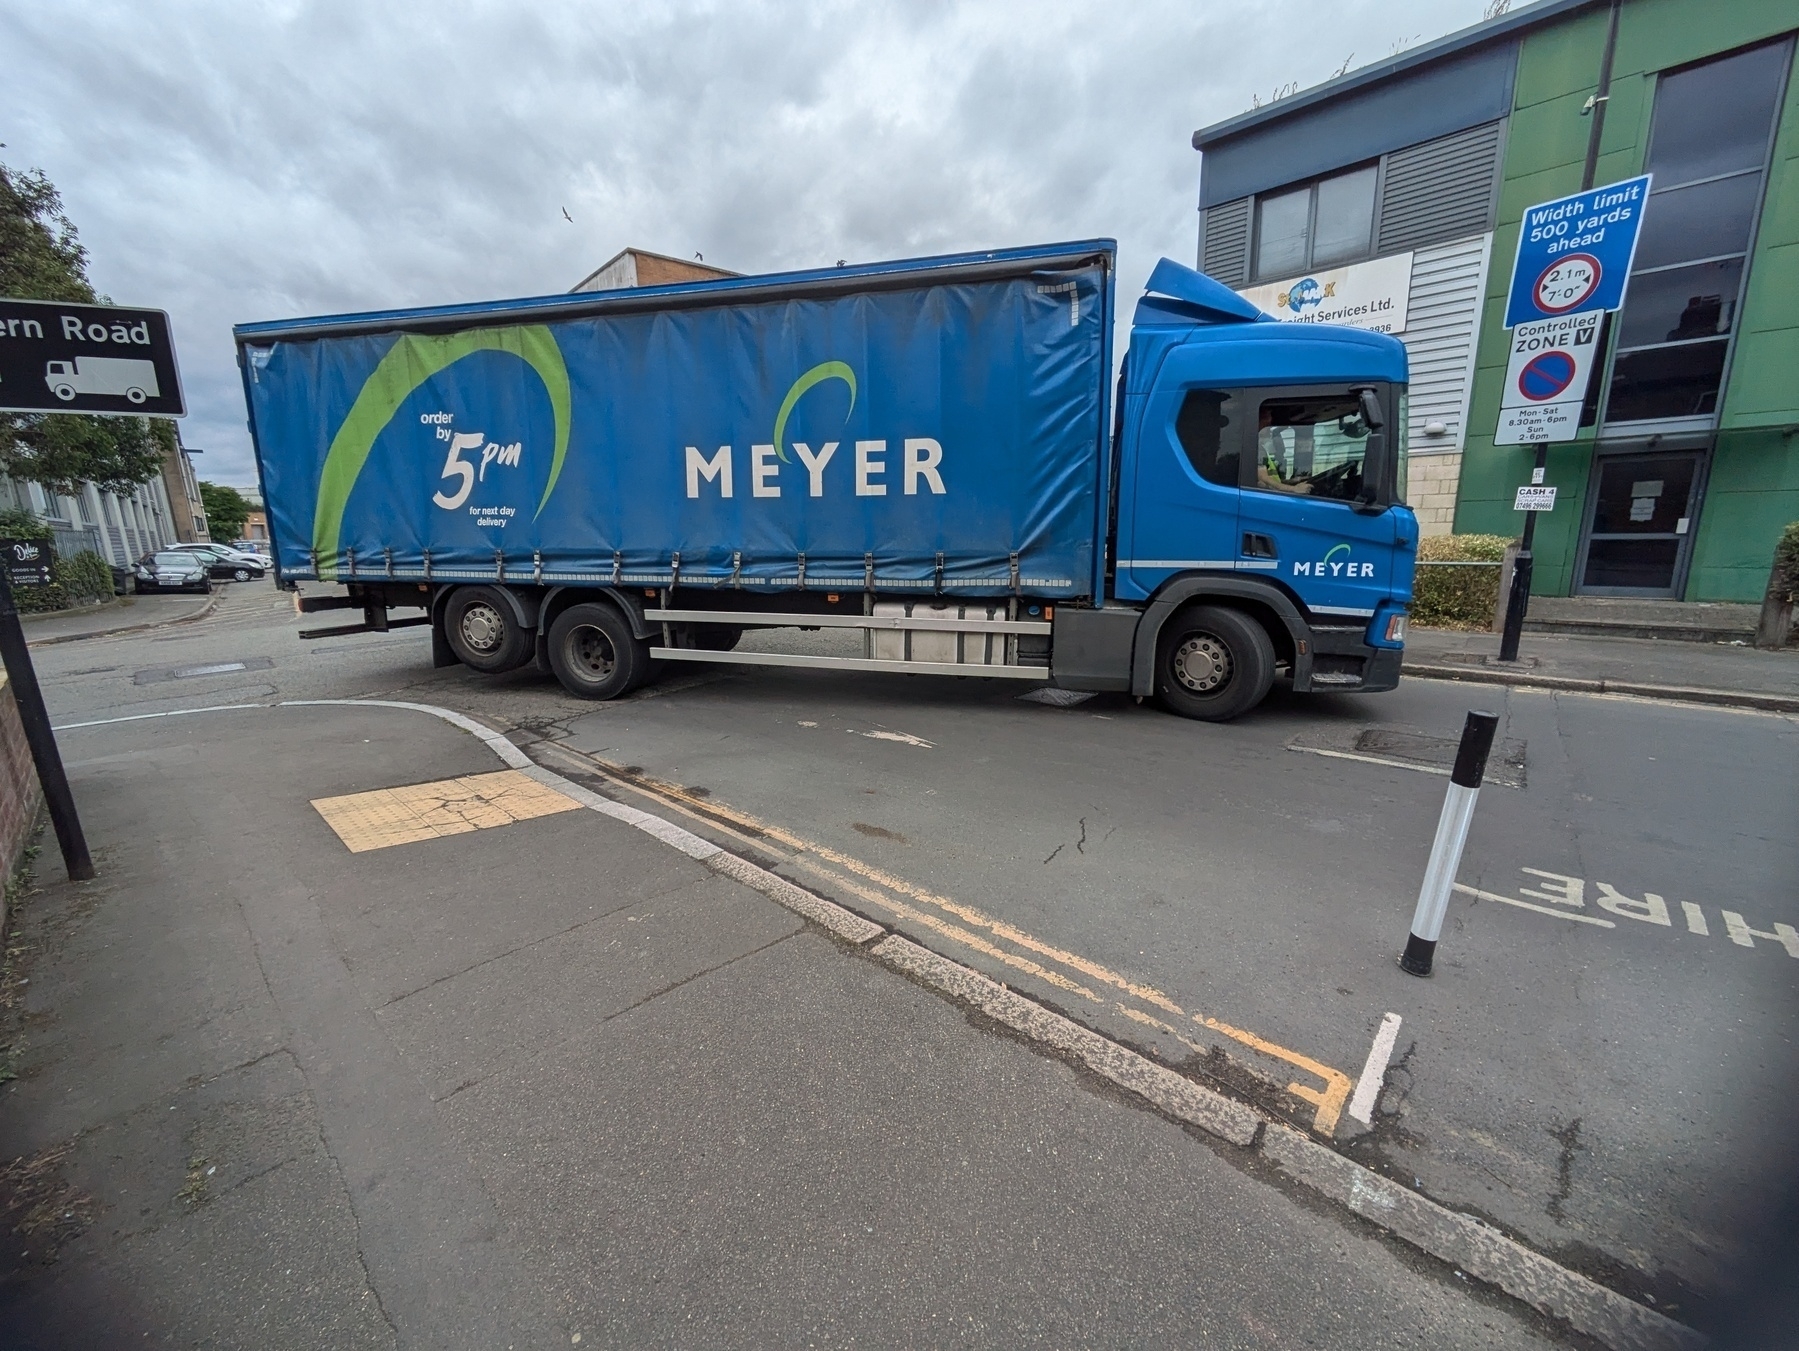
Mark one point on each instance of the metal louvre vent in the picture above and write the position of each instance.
(1225, 255)
(1439, 190)
(1441, 324)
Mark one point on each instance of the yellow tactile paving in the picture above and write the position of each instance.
(429, 811)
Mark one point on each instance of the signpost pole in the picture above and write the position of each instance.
(36, 720)
(1519, 600)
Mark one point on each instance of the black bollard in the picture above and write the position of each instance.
(30, 699)
(1452, 835)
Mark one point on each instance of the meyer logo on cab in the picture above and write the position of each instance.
(1332, 566)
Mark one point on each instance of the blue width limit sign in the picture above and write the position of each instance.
(1574, 252)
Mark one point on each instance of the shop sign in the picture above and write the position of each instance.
(28, 561)
(1370, 295)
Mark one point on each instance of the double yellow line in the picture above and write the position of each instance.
(1067, 971)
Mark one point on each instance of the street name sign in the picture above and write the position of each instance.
(1546, 376)
(57, 358)
(1574, 253)
(1534, 499)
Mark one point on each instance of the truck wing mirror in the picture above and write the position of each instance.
(1371, 414)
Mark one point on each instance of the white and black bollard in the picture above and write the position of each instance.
(1452, 835)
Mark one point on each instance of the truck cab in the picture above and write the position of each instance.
(1260, 476)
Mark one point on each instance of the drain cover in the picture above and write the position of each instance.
(153, 674)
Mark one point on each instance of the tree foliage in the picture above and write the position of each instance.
(41, 258)
(226, 511)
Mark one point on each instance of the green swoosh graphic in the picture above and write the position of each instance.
(825, 370)
(1333, 553)
(411, 361)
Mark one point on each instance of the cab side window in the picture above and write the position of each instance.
(1210, 428)
(1312, 446)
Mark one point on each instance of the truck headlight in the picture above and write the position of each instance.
(1396, 627)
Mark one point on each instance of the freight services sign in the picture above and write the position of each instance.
(1574, 253)
(1369, 295)
(57, 358)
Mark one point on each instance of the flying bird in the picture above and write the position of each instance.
(565, 216)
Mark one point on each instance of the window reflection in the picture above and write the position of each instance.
(1708, 143)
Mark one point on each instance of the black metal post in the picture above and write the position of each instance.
(1518, 602)
(1452, 836)
(36, 719)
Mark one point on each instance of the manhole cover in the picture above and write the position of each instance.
(200, 670)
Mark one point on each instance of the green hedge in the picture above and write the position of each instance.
(1457, 598)
(85, 576)
(80, 580)
(1786, 562)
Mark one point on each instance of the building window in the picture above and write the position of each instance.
(1321, 224)
(1708, 144)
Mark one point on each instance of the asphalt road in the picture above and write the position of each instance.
(1610, 1088)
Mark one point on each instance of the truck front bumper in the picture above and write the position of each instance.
(1343, 663)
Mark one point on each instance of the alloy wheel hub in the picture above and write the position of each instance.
(592, 652)
(1202, 664)
(481, 627)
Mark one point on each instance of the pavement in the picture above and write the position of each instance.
(123, 614)
(1611, 1090)
(1730, 673)
(550, 1082)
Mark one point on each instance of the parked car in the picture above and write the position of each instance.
(227, 564)
(173, 570)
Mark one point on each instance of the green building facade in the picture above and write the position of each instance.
(1689, 468)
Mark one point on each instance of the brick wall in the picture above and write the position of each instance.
(20, 795)
(1430, 491)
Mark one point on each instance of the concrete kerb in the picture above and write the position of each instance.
(211, 604)
(1465, 1243)
(1684, 694)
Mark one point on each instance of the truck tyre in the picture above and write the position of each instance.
(1213, 663)
(483, 631)
(594, 653)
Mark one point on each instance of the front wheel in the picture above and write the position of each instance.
(240, 574)
(1213, 663)
(594, 653)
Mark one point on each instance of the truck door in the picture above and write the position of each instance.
(1184, 489)
(1315, 498)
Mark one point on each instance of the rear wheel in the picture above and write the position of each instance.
(483, 631)
(594, 653)
(1213, 663)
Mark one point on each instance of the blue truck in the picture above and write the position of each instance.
(925, 457)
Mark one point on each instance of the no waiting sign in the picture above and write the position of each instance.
(57, 358)
(1546, 376)
(1574, 253)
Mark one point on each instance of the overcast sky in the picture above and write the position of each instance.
(238, 161)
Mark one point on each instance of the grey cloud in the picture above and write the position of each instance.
(231, 162)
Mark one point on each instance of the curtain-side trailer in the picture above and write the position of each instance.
(928, 453)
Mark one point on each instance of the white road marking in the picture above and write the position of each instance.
(1695, 919)
(140, 717)
(1374, 1073)
(904, 738)
(1540, 909)
(1372, 760)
